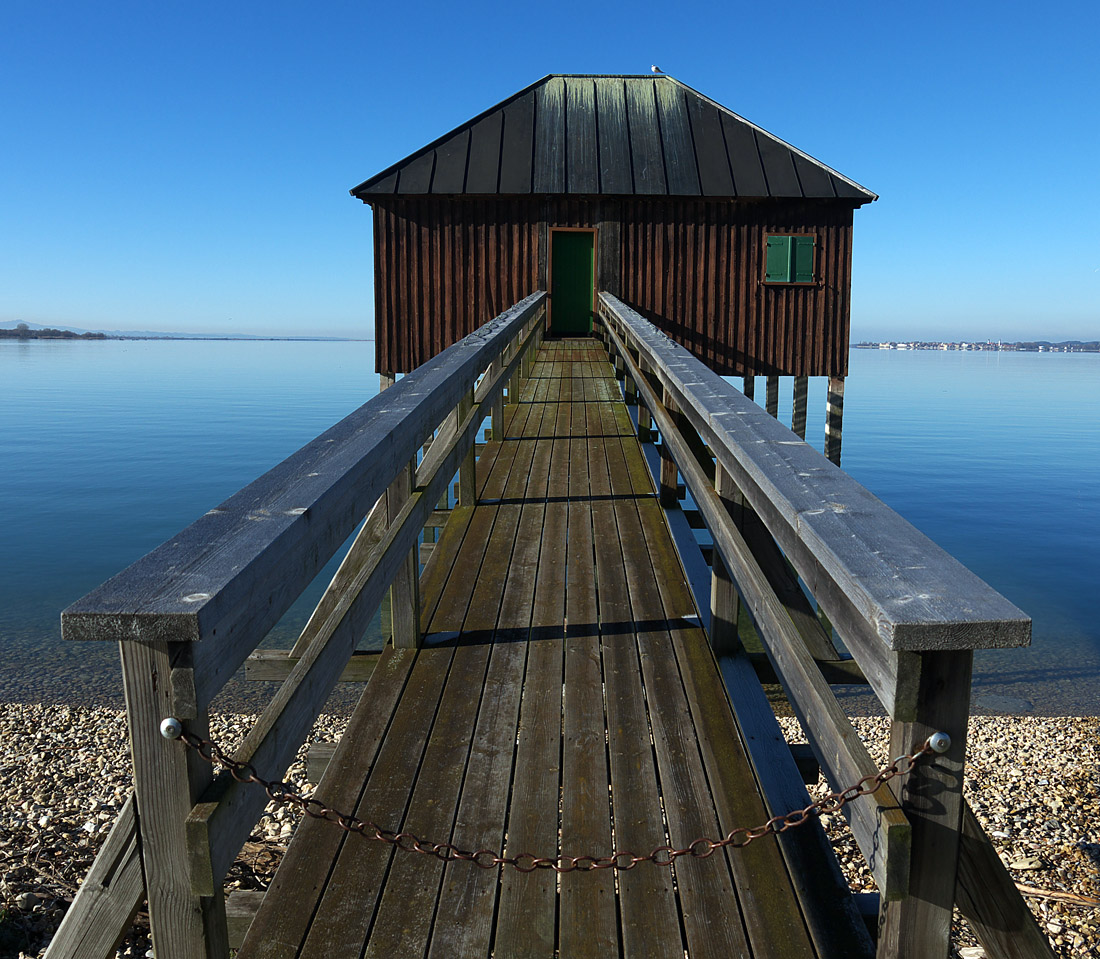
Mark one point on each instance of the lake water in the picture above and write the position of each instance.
(108, 448)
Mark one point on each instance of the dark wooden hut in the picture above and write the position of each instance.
(734, 242)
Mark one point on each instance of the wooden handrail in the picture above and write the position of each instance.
(226, 579)
(885, 586)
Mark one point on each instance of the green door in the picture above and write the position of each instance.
(572, 284)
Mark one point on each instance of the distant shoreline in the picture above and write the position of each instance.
(100, 337)
(1022, 346)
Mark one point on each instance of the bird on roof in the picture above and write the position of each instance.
(656, 69)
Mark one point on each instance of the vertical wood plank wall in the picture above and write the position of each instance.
(444, 266)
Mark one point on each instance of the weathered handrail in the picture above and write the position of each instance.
(189, 613)
(908, 612)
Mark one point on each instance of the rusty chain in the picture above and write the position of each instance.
(285, 794)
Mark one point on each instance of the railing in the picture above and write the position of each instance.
(809, 551)
(188, 614)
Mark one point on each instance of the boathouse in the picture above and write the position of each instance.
(735, 243)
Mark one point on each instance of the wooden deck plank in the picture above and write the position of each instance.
(588, 922)
(773, 918)
(711, 927)
(464, 917)
(527, 916)
(649, 907)
(412, 886)
(343, 917)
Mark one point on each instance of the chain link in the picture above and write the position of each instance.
(285, 794)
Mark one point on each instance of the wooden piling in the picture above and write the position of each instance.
(834, 418)
(798, 407)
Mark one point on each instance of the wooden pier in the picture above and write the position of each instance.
(550, 689)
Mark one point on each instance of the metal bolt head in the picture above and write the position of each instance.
(171, 728)
(940, 742)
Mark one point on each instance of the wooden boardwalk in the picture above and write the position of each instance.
(565, 701)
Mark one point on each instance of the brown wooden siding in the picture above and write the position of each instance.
(697, 270)
(445, 266)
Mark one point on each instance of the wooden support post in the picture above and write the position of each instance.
(919, 926)
(405, 591)
(645, 424)
(773, 395)
(834, 418)
(645, 418)
(750, 385)
(798, 410)
(630, 391)
(669, 474)
(467, 472)
(724, 601)
(168, 781)
(497, 415)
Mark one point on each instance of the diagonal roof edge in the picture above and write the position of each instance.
(368, 187)
(759, 129)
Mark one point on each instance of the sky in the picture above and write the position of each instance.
(186, 166)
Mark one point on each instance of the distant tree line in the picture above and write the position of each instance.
(24, 332)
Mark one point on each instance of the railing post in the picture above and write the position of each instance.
(168, 781)
(405, 591)
(798, 409)
(669, 473)
(750, 384)
(724, 602)
(645, 418)
(919, 926)
(497, 415)
(834, 418)
(467, 472)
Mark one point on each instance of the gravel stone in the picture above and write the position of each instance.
(65, 774)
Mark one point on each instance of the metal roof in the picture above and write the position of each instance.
(619, 135)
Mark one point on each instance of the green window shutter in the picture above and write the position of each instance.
(779, 260)
(802, 257)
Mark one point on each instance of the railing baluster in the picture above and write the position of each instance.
(725, 604)
(405, 591)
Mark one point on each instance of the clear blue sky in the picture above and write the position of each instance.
(186, 166)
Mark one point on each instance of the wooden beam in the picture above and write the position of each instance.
(987, 896)
(240, 909)
(105, 904)
(275, 665)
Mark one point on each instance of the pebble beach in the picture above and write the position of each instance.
(1033, 782)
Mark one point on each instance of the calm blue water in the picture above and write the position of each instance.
(107, 449)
